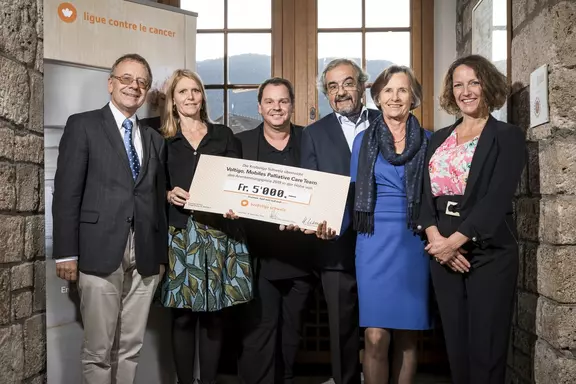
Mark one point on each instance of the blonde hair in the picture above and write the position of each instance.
(171, 117)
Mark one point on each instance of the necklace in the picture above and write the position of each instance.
(402, 139)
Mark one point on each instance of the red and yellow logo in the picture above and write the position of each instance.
(67, 12)
(244, 203)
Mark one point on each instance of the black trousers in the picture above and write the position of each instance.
(341, 293)
(272, 331)
(476, 307)
(184, 344)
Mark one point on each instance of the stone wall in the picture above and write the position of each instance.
(22, 269)
(543, 344)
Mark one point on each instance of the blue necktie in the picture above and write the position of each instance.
(130, 150)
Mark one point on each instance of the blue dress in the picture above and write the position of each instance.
(392, 268)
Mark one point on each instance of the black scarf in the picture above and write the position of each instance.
(378, 139)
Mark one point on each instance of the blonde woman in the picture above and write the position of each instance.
(209, 268)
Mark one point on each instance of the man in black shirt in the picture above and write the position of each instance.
(283, 274)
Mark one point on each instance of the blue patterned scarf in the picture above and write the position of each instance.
(378, 139)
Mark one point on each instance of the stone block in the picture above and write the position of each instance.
(527, 218)
(527, 309)
(6, 142)
(39, 286)
(555, 272)
(7, 187)
(5, 296)
(521, 251)
(41, 196)
(21, 305)
(519, 13)
(556, 324)
(531, 47)
(40, 19)
(533, 168)
(558, 220)
(29, 148)
(40, 379)
(15, 92)
(18, 23)
(27, 187)
(563, 31)
(561, 85)
(11, 238)
(34, 345)
(39, 64)
(34, 237)
(523, 365)
(530, 268)
(520, 103)
(541, 132)
(22, 276)
(552, 367)
(524, 341)
(11, 354)
(36, 112)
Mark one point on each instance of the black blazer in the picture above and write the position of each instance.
(282, 255)
(325, 149)
(496, 169)
(96, 200)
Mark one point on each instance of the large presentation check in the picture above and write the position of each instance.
(268, 192)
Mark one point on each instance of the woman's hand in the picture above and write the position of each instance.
(177, 196)
(459, 263)
(324, 232)
(231, 215)
(448, 251)
(441, 249)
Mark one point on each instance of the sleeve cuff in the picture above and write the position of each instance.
(71, 258)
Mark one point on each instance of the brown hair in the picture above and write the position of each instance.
(276, 81)
(383, 79)
(493, 82)
(171, 118)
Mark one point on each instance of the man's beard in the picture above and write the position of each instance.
(348, 110)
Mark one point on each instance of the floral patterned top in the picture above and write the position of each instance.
(450, 165)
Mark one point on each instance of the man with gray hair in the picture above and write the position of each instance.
(326, 147)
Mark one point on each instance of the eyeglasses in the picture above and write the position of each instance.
(348, 85)
(127, 80)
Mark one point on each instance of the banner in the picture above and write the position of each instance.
(82, 39)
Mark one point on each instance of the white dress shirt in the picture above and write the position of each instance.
(352, 129)
(136, 139)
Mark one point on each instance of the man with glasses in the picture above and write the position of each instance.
(326, 147)
(110, 229)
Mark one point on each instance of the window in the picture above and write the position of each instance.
(233, 56)
(374, 33)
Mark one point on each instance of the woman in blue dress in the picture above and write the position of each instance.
(392, 268)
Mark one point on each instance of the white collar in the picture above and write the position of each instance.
(119, 116)
(363, 114)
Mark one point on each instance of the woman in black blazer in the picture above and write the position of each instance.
(474, 167)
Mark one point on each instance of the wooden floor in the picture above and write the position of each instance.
(420, 379)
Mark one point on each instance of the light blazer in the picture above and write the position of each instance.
(495, 172)
(325, 149)
(96, 200)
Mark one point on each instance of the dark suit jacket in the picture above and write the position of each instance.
(96, 200)
(486, 209)
(325, 149)
(281, 255)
